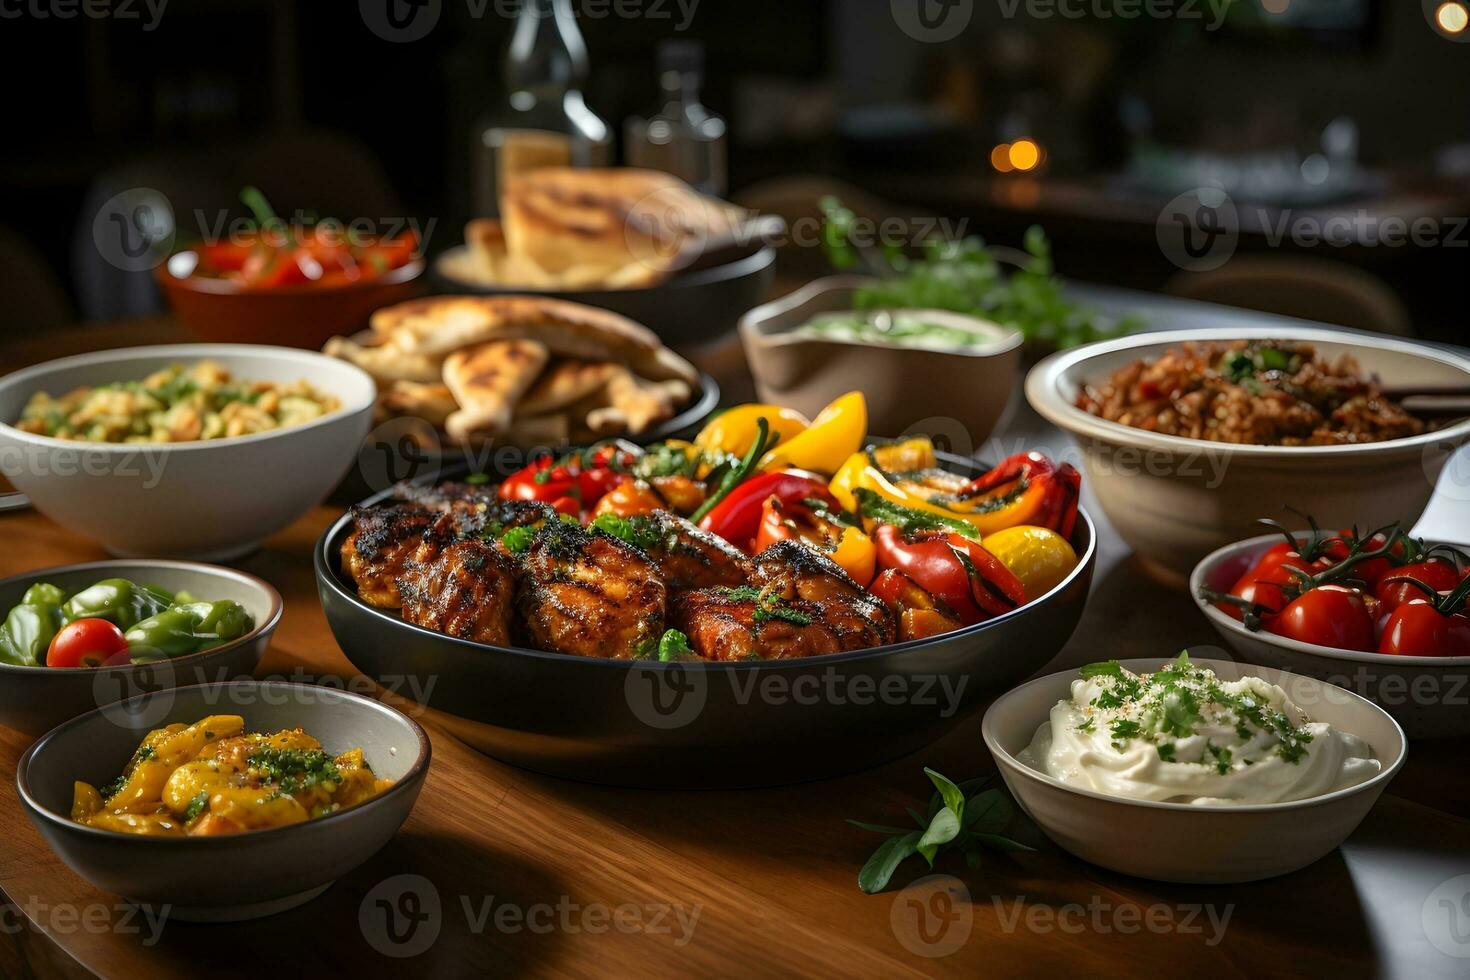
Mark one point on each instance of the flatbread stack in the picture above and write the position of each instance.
(519, 370)
(618, 228)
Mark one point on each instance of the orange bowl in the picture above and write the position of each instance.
(287, 316)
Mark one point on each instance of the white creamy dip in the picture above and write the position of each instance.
(1182, 735)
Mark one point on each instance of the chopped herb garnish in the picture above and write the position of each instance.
(518, 539)
(640, 532)
(197, 805)
(295, 770)
(674, 645)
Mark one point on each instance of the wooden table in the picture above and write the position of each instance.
(534, 874)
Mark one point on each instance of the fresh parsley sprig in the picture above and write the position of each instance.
(964, 825)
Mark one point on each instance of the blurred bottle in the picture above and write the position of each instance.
(683, 137)
(546, 121)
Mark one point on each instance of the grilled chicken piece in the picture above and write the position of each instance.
(688, 557)
(590, 594)
(465, 589)
(798, 604)
(382, 540)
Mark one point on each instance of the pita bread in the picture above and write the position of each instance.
(487, 380)
(438, 325)
(562, 383)
(622, 225)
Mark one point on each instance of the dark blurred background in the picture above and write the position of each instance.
(1071, 115)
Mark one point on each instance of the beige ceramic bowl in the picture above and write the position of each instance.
(1174, 500)
(1428, 696)
(1178, 841)
(906, 388)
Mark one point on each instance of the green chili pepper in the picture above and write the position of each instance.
(43, 594)
(188, 628)
(27, 632)
(124, 603)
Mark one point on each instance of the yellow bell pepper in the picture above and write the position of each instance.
(860, 472)
(733, 431)
(835, 434)
(857, 555)
(910, 454)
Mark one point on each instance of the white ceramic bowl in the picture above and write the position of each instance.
(1177, 841)
(208, 500)
(1174, 499)
(1428, 696)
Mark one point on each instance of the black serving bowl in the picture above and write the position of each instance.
(237, 876)
(640, 723)
(36, 699)
(692, 307)
(395, 451)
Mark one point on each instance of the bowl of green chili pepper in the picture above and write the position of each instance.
(80, 637)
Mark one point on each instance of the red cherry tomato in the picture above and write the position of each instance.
(1418, 629)
(568, 506)
(1439, 576)
(1329, 615)
(86, 643)
(1261, 585)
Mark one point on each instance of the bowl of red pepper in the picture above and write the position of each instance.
(292, 285)
(1378, 612)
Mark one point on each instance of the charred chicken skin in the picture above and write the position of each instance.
(460, 585)
(382, 540)
(798, 604)
(590, 594)
(687, 557)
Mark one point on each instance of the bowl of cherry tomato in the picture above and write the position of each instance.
(1378, 612)
(80, 637)
(290, 285)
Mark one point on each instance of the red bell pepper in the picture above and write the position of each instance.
(953, 569)
(1027, 488)
(584, 477)
(919, 615)
(737, 517)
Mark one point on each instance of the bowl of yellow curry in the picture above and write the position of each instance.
(224, 802)
(182, 451)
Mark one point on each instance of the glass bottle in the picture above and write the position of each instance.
(545, 121)
(683, 137)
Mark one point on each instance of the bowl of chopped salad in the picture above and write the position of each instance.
(182, 451)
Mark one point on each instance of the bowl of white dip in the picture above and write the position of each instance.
(1200, 771)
